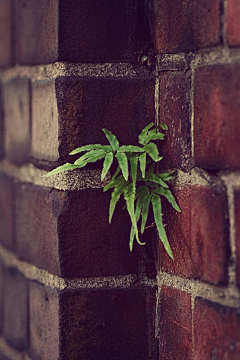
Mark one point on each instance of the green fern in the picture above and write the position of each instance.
(135, 179)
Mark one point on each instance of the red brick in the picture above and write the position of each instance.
(237, 222)
(85, 106)
(216, 331)
(50, 32)
(17, 119)
(199, 235)
(175, 325)
(233, 23)
(174, 111)
(16, 310)
(44, 322)
(68, 232)
(5, 32)
(216, 117)
(6, 211)
(186, 25)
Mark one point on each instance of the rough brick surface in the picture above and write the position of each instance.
(37, 28)
(108, 30)
(5, 32)
(68, 233)
(174, 111)
(237, 222)
(6, 211)
(199, 235)
(2, 290)
(1, 124)
(44, 121)
(216, 117)
(233, 23)
(186, 25)
(44, 322)
(175, 325)
(218, 329)
(16, 310)
(17, 119)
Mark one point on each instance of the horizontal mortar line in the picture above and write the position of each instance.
(231, 179)
(217, 56)
(50, 71)
(42, 276)
(227, 296)
(70, 180)
(10, 352)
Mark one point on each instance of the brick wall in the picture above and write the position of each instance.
(69, 287)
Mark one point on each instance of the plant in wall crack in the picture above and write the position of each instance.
(136, 179)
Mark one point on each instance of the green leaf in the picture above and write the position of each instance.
(142, 136)
(153, 135)
(91, 147)
(142, 160)
(123, 163)
(112, 139)
(157, 210)
(129, 197)
(91, 156)
(113, 182)
(61, 169)
(107, 164)
(118, 190)
(164, 126)
(168, 194)
(145, 210)
(133, 163)
(152, 151)
(137, 215)
(154, 178)
(130, 148)
(167, 176)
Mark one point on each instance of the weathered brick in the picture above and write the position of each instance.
(16, 310)
(85, 106)
(17, 119)
(232, 22)
(68, 232)
(199, 235)
(90, 324)
(175, 325)
(76, 31)
(6, 211)
(174, 111)
(237, 222)
(5, 32)
(216, 331)
(216, 117)
(2, 291)
(1, 124)
(186, 25)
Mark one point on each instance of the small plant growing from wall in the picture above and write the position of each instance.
(136, 178)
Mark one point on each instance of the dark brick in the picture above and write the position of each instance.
(16, 310)
(17, 119)
(233, 23)
(174, 111)
(186, 25)
(85, 106)
(2, 291)
(68, 232)
(199, 235)
(1, 124)
(237, 222)
(5, 32)
(175, 325)
(76, 31)
(37, 31)
(6, 211)
(216, 331)
(216, 117)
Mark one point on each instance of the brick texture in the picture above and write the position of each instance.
(55, 232)
(174, 111)
(217, 328)
(186, 25)
(216, 119)
(237, 222)
(17, 119)
(5, 32)
(199, 235)
(2, 290)
(175, 325)
(16, 310)
(1, 124)
(232, 22)
(6, 211)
